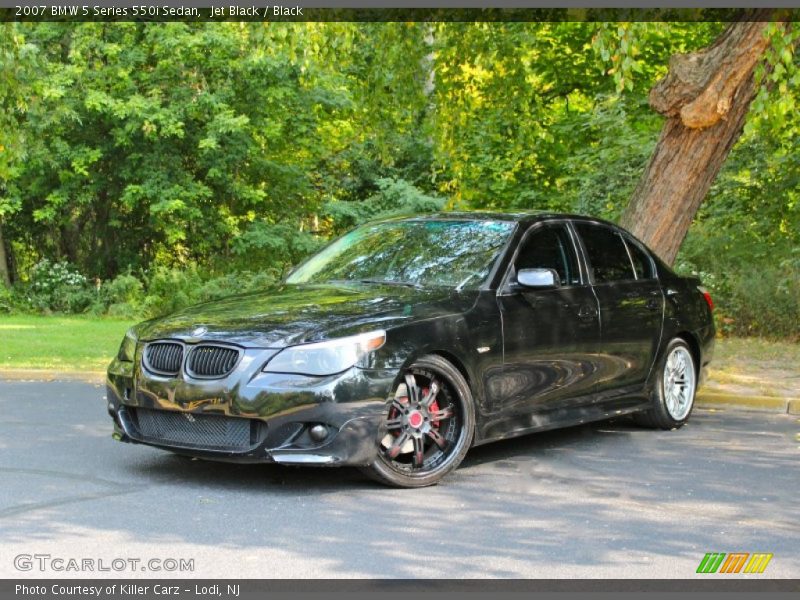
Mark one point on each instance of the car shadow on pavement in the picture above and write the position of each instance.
(289, 479)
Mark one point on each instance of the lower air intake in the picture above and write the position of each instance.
(188, 430)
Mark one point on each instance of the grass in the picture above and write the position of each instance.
(758, 350)
(59, 343)
(754, 366)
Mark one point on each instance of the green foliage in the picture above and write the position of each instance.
(122, 296)
(619, 135)
(760, 299)
(8, 300)
(178, 162)
(59, 287)
(637, 53)
(753, 274)
(168, 290)
(765, 300)
(394, 198)
(273, 245)
(779, 74)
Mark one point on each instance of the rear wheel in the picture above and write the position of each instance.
(673, 398)
(429, 423)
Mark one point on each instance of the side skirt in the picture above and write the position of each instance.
(559, 419)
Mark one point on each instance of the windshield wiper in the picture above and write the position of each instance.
(392, 282)
(376, 282)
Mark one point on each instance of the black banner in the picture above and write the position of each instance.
(194, 12)
(252, 589)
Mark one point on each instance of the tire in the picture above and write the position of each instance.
(429, 427)
(673, 398)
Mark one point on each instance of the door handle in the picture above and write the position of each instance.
(587, 312)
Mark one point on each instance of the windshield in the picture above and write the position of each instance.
(451, 253)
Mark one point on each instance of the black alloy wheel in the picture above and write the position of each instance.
(428, 426)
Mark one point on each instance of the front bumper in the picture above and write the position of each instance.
(274, 413)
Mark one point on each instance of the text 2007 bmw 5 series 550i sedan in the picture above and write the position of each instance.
(405, 342)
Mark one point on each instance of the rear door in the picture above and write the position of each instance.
(631, 307)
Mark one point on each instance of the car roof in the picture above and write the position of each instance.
(526, 217)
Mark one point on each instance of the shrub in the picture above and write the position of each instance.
(8, 301)
(123, 289)
(169, 290)
(237, 283)
(275, 245)
(761, 299)
(58, 287)
(395, 197)
(765, 301)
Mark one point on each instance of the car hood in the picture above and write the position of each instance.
(294, 314)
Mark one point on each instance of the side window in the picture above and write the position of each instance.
(608, 257)
(641, 262)
(550, 247)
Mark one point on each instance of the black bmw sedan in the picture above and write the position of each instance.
(405, 342)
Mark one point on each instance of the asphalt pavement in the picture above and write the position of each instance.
(607, 500)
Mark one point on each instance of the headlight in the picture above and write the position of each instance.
(326, 358)
(128, 347)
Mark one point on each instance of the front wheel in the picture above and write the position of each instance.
(429, 423)
(673, 398)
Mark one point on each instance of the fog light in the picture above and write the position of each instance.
(318, 433)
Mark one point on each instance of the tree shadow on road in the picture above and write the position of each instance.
(589, 496)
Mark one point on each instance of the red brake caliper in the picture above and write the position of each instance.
(434, 408)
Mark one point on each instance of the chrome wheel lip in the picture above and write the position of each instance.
(679, 381)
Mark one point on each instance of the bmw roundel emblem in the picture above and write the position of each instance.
(199, 331)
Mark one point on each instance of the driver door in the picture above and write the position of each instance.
(551, 336)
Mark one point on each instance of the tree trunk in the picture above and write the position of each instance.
(5, 271)
(705, 97)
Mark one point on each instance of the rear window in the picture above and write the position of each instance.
(641, 262)
(605, 249)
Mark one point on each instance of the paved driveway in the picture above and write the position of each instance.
(604, 500)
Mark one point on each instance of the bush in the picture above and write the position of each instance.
(395, 197)
(236, 283)
(125, 288)
(765, 301)
(121, 297)
(58, 287)
(760, 299)
(169, 290)
(276, 245)
(8, 300)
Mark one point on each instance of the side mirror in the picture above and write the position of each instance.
(538, 278)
